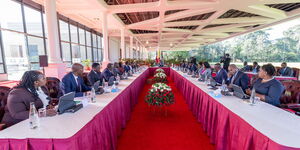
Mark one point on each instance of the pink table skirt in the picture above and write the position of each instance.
(225, 129)
(100, 133)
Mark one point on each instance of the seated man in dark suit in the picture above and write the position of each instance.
(116, 69)
(237, 77)
(108, 74)
(73, 82)
(95, 74)
(246, 67)
(256, 67)
(221, 73)
(285, 70)
(127, 67)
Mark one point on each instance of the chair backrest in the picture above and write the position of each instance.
(296, 72)
(3, 99)
(292, 88)
(85, 79)
(53, 86)
(277, 70)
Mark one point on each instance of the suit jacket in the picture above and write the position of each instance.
(241, 79)
(286, 72)
(246, 68)
(116, 71)
(107, 74)
(221, 75)
(18, 105)
(70, 85)
(126, 68)
(194, 68)
(94, 76)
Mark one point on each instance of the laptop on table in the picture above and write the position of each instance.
(67, 104)
(239, 92)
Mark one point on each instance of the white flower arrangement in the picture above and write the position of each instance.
(160, 75)
(160, 87)
(159, 70)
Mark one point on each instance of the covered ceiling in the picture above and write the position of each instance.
(179, 24)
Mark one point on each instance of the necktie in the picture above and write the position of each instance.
(78, 84)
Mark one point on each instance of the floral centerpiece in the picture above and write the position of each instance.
(87, 64)
(160, 77)
(160, 94)
(159, 70)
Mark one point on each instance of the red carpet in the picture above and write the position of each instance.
(179, 130)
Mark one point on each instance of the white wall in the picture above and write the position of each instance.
(114, 49)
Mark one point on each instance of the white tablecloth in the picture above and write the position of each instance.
(67, 124)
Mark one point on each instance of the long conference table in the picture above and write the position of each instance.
(233, 124)
(230, 123)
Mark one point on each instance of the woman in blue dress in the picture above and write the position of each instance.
(267, 88)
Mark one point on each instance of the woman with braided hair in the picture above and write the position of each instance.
(19, 98)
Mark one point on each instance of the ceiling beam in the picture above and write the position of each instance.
(187, 13)
(177, 30)
(136, 7)
(265, 11)
(242, 20)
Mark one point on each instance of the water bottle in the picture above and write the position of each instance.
(34, 121)
(118, 78)
(252, 97)
(114, 87)
(205, 79)
(125, 75)
(223, 87)
(93, 95)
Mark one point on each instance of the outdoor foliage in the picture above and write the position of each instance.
(255, 46)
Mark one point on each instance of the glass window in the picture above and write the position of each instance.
(74, 34)
(94, 40)
(33, 22)
(99, 42)
(95, 55)
(99, 55)
(2, 68)
(82, 53)
(75, 54)
(45, 25)
(81, 36)
(64, 31)
(89, 53)
(35, 48)
(15, 54)
(88, 38)
(11, 15)
(66, 51)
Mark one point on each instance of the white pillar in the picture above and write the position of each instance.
(105, 38)
(53, 35)
(123, 43)
(136, 48)
(142, 53)
(131, 48)
(56, 67)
